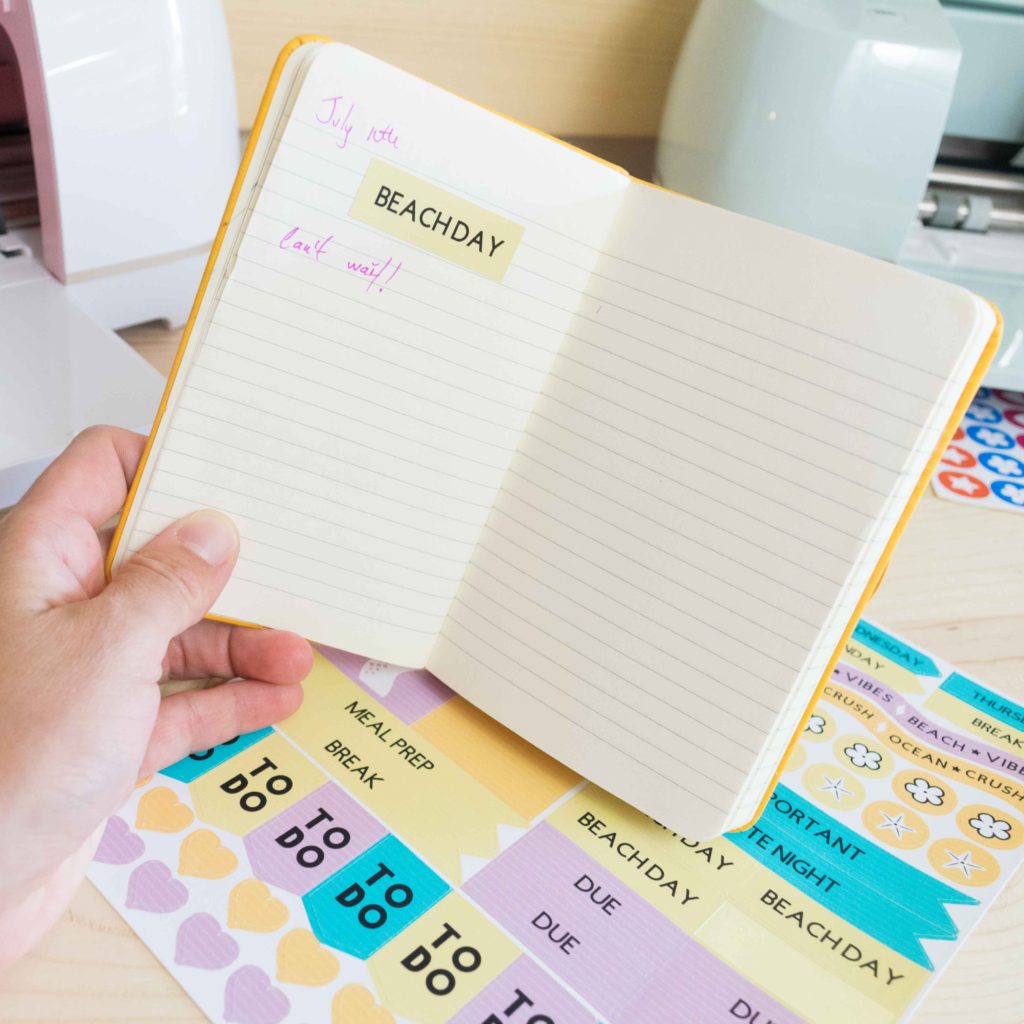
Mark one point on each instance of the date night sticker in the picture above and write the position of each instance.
(984, 464)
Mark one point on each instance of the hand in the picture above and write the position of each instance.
(81, 714)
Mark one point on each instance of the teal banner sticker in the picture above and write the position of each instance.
(895, 649)
(365, 904)
(891, 901)
(188, 769)
(986, 701)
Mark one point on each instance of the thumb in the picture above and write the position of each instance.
(170, 584)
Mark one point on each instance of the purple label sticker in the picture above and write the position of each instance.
(522, 993)
(307, 843)
(589, 927)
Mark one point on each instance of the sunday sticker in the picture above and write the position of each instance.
(441, 222)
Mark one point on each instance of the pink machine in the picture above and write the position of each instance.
(118, 144)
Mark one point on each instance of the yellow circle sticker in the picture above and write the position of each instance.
(924, 792)
(832, 786)
(797, 758)
(863, 756)
(820, 726)
(963, 863)
(990, 826)
(895, 825)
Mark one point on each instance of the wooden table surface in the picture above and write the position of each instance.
(956, 587)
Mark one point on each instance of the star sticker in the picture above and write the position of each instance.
(835, 787)
(897, 824)
(963, 862)
(962, 483)
(957, 458)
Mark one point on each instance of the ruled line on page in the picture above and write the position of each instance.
(319, 540)
(248, 559)
(618, 355)
(679, 509)
(325, 455)
(329, 502)
(672, 780)
(646, 268)
(615, 353)
(631, 708)
(700, 593)
(294, 486)
(586, 682)
(310, 427)
(325, 408)
(555, 376)
(249, 360)
(616, 623)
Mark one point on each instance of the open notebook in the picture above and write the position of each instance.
(617, 466)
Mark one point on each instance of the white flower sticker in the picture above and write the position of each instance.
(964, 484)
(815, 724)
(990, 827)
(1011, 492)
(924, 792)
(993, 438)
(861, 757)
(1003, 465)
(984, 414)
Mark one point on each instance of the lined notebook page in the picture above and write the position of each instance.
(721, 449)
(353, 401)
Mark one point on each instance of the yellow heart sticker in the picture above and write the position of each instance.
(356, 1005)
(203, 855)
(160, 810)
(253, 909)
(303, 961)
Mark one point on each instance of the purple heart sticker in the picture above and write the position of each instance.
(249, 998)
(151, 887)
(202, 943)
(119, 845)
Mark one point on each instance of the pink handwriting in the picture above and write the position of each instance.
(386, 135)
(337, 120)
(340, 115)
(293, 241)
(374, 271)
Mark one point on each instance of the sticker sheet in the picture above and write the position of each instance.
(984, 463)
(391, 855)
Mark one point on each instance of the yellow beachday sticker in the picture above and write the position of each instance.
(417, 212)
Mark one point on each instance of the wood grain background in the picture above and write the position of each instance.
(569, 67)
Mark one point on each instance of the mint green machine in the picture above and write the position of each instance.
(895, 127)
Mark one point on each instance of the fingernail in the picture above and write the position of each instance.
(211, 535)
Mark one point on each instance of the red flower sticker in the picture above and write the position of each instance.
(956, 456)
(963, 484)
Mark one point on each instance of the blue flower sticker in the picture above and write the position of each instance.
(989, 437)
(1009, 491)
(984, 413)
(1001, 465)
